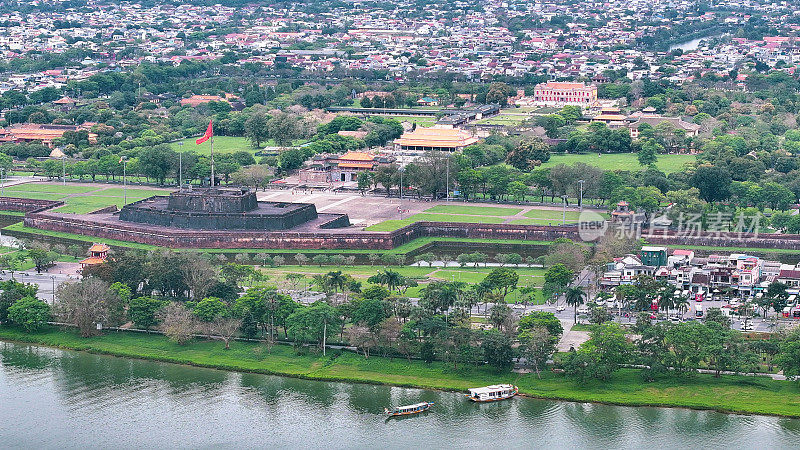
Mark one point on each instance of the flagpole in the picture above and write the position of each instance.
(212, 160)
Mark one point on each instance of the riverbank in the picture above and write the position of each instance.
(738, 394)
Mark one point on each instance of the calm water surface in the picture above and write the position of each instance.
(59, 399)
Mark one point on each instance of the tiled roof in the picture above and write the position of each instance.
(99, 248)
(436, 137)
(789, 274)
(92, 261)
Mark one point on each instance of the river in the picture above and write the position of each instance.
(61, 399)
(692, 45)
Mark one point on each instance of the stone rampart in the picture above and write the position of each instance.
(324, 237)
(27, 204)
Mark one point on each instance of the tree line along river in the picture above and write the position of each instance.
(53, 398)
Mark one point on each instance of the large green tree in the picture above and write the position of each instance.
(29, 313)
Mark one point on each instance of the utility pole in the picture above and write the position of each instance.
(124, 181)
(447, 180)
(180, 165)
(2, 181)
(63, 170)
(564, 210)
(212, 161)
(580, 199)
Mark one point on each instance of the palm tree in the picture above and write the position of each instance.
(642, 301)
(321, 281)
(391, 279)
(575, 297)
(682, 304)
(667, 299)
(336, 280)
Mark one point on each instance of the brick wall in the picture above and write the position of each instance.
(27, 204)
(348, 239)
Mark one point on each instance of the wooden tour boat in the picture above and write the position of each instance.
(408, 410)
(492, 393)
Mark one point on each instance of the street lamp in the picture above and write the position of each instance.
(564, 210)
(2, 181)
(63, 170)
(580, 199)
(53, 277)
(401, 170)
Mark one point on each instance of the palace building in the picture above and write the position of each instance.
(44, 133)
(435, 138)
(347, 167)
(558, 93)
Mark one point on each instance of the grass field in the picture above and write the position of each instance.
(471, 275)
(390, 225)
(223, 144)
(728, 393)
(56, 188)
(474, 210)
(80, 199)
(424, 122)
(547, 217)
(502, 119)
(621, 161)
(431, 217)
(478, 214)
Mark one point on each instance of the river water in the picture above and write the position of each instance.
(60, 399)
(692, 45)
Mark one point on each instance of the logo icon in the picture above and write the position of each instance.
(591, 226)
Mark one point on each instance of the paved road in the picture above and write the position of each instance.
(46, 282)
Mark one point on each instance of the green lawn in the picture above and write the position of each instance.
(80, 199)
(390, 225)
(424, 274)
(424, 122)
(56, 188)
(502, 119)
(742, 394)
(621, 161)
(428, 217)
(478, 214)
(223, 144)
(35, 195)
(474, 210)
(547, 217)
(133, 192)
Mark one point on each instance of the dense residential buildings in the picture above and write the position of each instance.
(474, 44)
(736, 275)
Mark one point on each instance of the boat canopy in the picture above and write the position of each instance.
(488, 389)
(411, 407)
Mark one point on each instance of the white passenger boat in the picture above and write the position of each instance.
(492, 393)
(408, 410)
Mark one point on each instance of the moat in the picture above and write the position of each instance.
(61, 399)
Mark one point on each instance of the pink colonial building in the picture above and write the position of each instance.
(557, 93)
